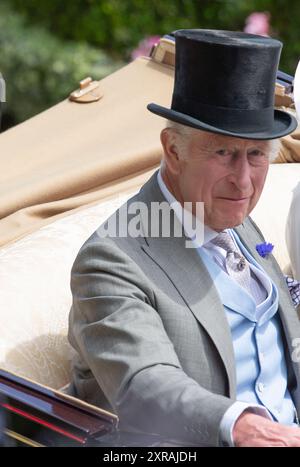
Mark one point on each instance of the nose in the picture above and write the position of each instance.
(240, 173)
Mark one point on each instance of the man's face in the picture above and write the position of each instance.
(225, 173)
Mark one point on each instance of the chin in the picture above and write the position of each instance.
(237, 221)
(225, 219)
(237, 218)
(229, 223)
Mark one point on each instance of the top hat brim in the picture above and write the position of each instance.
(283, 124)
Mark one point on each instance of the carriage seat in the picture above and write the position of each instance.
(35, 296)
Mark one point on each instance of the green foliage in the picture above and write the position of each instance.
(41, 70)
(118, 25)
(47, 50)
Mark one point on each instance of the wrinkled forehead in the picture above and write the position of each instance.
(211, 140)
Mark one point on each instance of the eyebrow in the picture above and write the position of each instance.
(224, 144)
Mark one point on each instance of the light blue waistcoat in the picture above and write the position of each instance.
(259, 353)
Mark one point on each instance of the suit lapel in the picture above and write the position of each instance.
(190, 277)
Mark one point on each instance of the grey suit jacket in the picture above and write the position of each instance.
(151, 334)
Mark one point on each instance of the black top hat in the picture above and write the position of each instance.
(225, 83)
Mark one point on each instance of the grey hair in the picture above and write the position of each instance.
(182, 135)
(275, 146)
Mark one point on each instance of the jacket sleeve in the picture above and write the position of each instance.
(120, 335)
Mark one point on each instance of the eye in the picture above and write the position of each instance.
(257, 156)
(223, 152)
(256, 152)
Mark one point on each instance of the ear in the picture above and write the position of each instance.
(168, 139)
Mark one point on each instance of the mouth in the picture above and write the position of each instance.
(237, 200)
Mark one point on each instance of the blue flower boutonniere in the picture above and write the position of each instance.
(264, 249)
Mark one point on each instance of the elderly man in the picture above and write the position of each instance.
(196, 343)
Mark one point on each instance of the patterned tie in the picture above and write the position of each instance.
(236, 265)
(294, 288)
(238, 268)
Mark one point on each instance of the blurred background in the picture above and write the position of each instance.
(48, 46)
